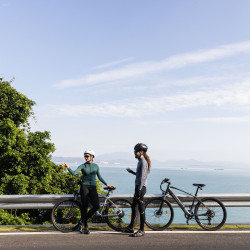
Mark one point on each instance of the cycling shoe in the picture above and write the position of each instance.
(139, 233)
(128, 230)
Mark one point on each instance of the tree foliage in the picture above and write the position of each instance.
(25, 156)
(14, 105)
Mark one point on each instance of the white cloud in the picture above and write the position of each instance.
(236, 96)
(232, 119)
(133, 71)
(198, 81)
(164, 85)
(114, 63)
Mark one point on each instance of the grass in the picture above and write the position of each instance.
(96, 227)
(25, 228)
(196, 227)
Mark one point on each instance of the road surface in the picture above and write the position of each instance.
(112, 240)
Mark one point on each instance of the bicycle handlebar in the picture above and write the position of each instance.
(166, 180)
(109, 188)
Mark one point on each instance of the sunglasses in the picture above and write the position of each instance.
(86, 156)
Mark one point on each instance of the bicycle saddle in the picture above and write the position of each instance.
(199, 185)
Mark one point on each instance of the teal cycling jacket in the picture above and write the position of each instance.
(89, 173)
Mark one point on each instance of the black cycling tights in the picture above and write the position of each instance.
(141, 208)
(88, 193)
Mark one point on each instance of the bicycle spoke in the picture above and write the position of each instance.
(118, 214)
(211, 215)
(66, 215)
(159, 214)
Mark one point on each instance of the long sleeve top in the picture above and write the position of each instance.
(141, 173)
(89, 173)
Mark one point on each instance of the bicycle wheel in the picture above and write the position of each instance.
(159, 214)
(66, 215)
(211, 214)
(118, 214)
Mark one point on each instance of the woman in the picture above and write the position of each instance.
(143, 168)
(88, 187)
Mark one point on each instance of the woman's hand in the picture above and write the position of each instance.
(64, 165)
(130, 171)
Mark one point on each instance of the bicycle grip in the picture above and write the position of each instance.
(165, 180)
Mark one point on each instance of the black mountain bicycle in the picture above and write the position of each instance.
(66, 214)
(209, 213)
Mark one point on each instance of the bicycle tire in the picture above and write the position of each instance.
(118, 214)
(66, 215)
(156, 219)
(212, 216)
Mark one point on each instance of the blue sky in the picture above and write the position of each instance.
(108, 74)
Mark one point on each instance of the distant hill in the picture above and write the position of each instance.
(118, 157)
(127, 158)
(113, 158)
(62, 159)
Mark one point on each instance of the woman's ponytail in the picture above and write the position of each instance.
(148, 161)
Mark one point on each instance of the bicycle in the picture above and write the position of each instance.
(66, 214)
(209, 213)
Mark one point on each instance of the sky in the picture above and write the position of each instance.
(107, 74)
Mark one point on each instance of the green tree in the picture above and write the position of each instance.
(25, 156)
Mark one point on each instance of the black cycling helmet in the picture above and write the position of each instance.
(141, 147)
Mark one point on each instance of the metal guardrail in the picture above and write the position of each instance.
(45, 201)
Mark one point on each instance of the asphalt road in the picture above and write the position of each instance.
(111, 240)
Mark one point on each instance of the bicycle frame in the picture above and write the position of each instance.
(189, 213)
(107, 199)
(104, 205)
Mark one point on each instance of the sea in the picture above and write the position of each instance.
(217, 180)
